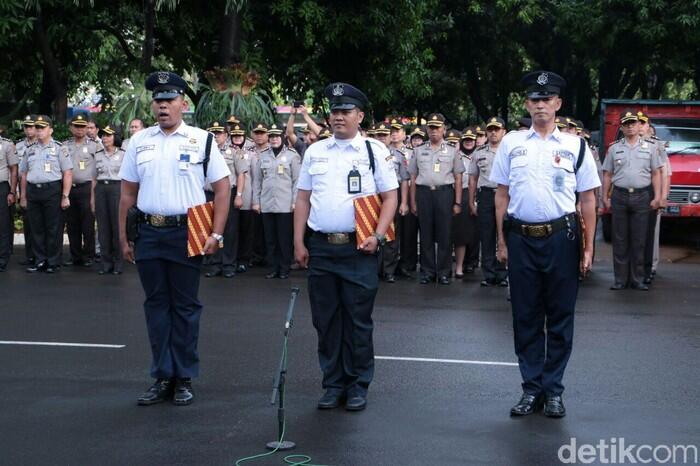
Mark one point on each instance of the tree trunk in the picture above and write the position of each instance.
(54, 87)
(149, 34)
(229, 40)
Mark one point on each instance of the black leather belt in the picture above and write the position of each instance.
(540, 230)
(45, 185)
(487, 189)
(333, 238)
(437, 188)
(80, 185)
(108, 181)
(633, 190)
(162, 221)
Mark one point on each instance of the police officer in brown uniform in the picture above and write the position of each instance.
(435, 169)
(397, 156)
(80, 219)
(108, 161)
(408, 242)
(632, 166)
(246, 226)
(8, 188)
(482, 193)
(465, 232)
(21, 147)
(47, 174)
(238, 162)
(274, 193)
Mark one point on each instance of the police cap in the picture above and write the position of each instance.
(165, 85)
(469, 133)
(260, 127)
(215, 127)
(275, 130)
(540, 84)
(382, 128)
(324, 134)
(108, 130)
(79, 120)
(496, 122)
(436, 119)
(343, 96)
(42, 121)
(628, 115)
(237, 130)
(28, 120)
(396, 123)
(643, 117)
(453, 136)
(418, 131)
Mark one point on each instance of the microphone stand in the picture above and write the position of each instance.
(278, 385)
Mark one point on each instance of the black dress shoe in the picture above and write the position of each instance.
(444, 280)
(41, 266)
(639, 286)
(241, 268)
(160, 391)
(426, 280)
(272, 275)
(229, 274)
(52, 269)
(87, 263)
(116, 272)
(469, 269)
(70, 262)
(406, 273)
(459, 276)
(330, 400)
(503, 283)
(102, 272)
(283, 276)
(213, 273)
(389, 278)
(554, 407)
(647, 280)
(618, 286)
(356, 403)
(183, 392)
(528, 404)
(485, 283)
(3, 267)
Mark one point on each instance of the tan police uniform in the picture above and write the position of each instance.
(8, 181)
(107, 193)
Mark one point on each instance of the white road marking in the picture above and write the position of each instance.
(56, 343)
(448, 361)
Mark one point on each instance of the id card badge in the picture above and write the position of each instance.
(558, 182)
(81, 164)
(436, 167)
(354, 182)
(184, 162)
(47, 167)
(280, 169)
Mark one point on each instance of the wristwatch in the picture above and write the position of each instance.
(64, 196)
(381, 239)
(239, 194)
(218, 238)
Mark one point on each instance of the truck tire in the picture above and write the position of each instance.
(607, 227)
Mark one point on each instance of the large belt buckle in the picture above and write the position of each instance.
(338, 238)
(538, 231)
(433, 188)
(630, 190)
(157, 220)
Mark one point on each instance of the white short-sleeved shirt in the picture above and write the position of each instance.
(324, 172)
(169, 168)
(540, 174)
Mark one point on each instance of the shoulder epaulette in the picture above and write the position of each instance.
(291, 149)
(58, 143)
(5, 139)
(615, 142)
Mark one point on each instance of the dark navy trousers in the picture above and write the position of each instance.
(170, 281)
(543, 275)
(343, 283)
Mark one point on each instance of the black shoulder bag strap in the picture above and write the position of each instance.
(371, 156)
(579, 161)
(207, 152)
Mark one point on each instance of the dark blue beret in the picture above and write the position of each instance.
(344, 96)
(539, 84)
(165, 85)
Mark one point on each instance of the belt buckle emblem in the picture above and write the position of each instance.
(158, 220)
(338, 238)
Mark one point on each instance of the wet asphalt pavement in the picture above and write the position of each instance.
(633, 373)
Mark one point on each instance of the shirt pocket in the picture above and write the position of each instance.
(145, 163)
(318, 168)
(518, 170)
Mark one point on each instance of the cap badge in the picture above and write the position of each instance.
(163, 77)
(542, 79)
(493, 120)
(259, 126)
(338, 90)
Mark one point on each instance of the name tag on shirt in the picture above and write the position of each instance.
(280, 169)
(354, 182)
(436, 167)
(81, 164)
(47, 167)
(184, 163)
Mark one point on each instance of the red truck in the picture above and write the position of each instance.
(677, 123)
